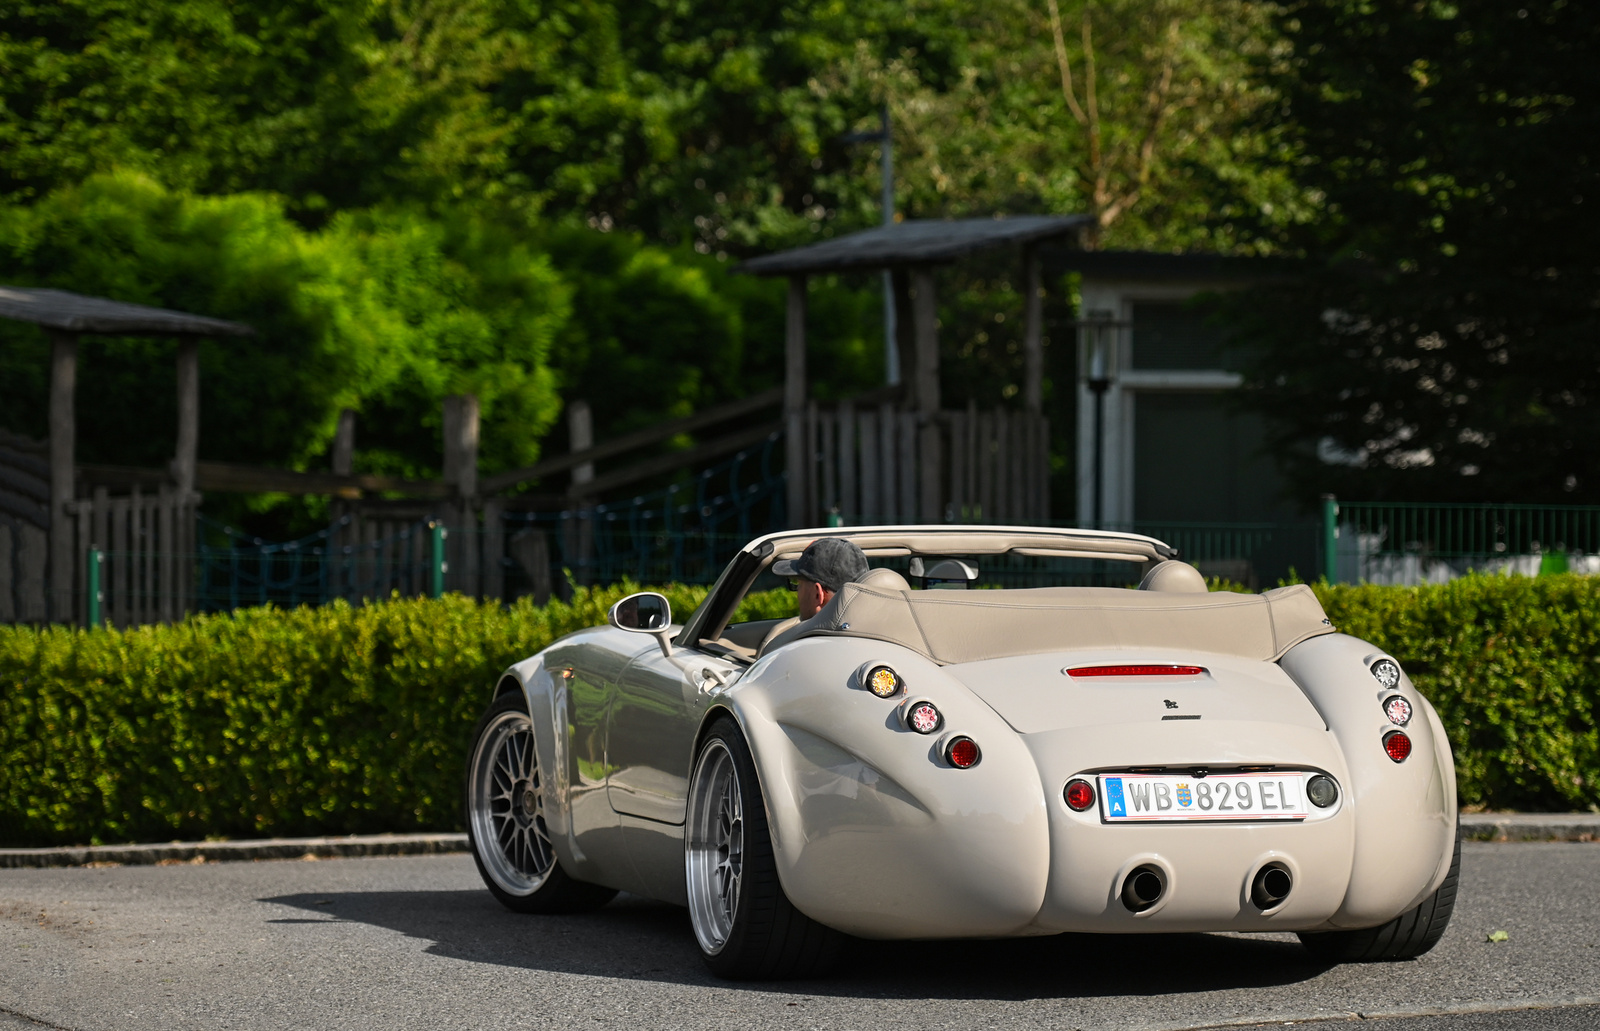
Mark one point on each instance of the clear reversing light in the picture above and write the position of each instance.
(1387, 673)
(924, 718)
(1397, 745)
(1322, 791)
(883, 681)
(962, 753)
(1397, 709)
(1141, 669)
(1079, 795)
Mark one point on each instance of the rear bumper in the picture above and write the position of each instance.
(1208, 867)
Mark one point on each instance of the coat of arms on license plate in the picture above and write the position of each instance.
(1184, 797)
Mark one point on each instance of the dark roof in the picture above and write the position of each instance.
(75, 313)
(1155, 265)
(914, 242)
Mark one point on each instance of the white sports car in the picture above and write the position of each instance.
(937, 763)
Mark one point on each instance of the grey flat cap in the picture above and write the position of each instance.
(829, 561)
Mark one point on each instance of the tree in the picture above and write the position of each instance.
(1442, 341)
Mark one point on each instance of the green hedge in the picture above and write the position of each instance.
(343, 720)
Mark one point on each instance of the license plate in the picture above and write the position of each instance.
(1132, 797)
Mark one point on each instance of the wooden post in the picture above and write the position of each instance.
(344, 443)
(63, 465)
(798, 463)
(494, 550)
(849, 507)
(1033, 334)
(188, 415)
(461, 443)
(580, 430)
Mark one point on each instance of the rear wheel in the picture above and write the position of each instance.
(745, 924)
(1407, 936)
(506, 798)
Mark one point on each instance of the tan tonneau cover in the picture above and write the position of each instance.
(953, 627)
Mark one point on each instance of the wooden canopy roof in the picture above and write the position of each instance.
(915, 242)
(67, 312)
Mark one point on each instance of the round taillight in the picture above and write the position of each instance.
(1386, 672)
(1322, 791)
(1080, 795)
(962, 753)
(1398, 746)
(924, 718)
(1397, 709)
(883, 681)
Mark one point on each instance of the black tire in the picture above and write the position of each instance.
(1407, 936)
(505, 818)
(761, 935)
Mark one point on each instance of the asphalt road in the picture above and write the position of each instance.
(418, 943)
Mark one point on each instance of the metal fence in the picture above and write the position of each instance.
(1401, 543)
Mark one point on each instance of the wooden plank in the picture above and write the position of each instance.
(460, 418)
(986, 466)
(960, 460)
(906, 461)
(694, 456)
(1044, 471)
(1002, 485)
(147, 557)
(888, 467)
(633, 441)
(120, 517)
(83, 530)
(871, 479)
(830, 479)
(930, 475)
(8, 577)
(970, 445)
(250, 479)
(849, 497)
(1019, 454)
(169, 591)
(794, 346)
(33, 553)
(344, 444)
(925, 322)
(813, 486)
(63, 443)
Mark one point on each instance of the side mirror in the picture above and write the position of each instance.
(644, 613)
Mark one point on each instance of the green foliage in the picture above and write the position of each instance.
(1442, 335)
(383, 312)
(1513, 666)
(348, 720)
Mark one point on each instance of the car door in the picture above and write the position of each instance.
(654, 715)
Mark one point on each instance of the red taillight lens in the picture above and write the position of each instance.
(1080, 795)
(1136, 670)
(962, 753)
(1398, 746)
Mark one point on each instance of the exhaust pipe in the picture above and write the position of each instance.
(1143, 888)
(1270, 886)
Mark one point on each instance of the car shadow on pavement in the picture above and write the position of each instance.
(640, 939)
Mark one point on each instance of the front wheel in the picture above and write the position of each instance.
(506, 797)
(745, 924)
(1407, 936)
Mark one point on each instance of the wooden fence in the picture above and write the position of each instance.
(148, 544)
(880, 464)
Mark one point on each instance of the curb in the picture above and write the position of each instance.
(356, 845)
(1530, 826)
(1507, 827)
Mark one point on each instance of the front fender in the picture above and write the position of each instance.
(874, 833)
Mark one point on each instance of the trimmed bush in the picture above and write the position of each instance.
(346, 720)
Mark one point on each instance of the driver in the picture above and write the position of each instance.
(826, 565)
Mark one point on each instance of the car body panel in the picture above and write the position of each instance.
(877, 835)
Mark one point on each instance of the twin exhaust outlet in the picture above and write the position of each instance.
(1146, 885)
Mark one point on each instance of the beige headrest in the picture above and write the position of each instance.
(884, 579)
(1174, 577)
